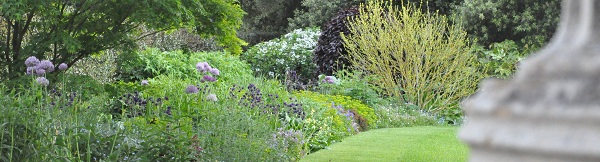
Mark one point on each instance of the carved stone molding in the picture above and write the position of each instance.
(550, 109)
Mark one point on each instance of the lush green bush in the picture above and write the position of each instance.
(443, 7)
(364, 114)
(292, 52)
(325, 123)
(152, 62)
(266, 19)
(418, 56)
(403, 115)
(529, 22)
(316, 12)
(355, 84)
(101, 66)
(501, 59)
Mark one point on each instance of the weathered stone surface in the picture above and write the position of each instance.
(550, 110)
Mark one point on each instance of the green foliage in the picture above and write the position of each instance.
(418, 56)
(291, 52)
(529, 22)
(501, 59)
(133, 67)
(266, 19)
(324, 124)
(330, 54)
(182, 39)
(354, 84)
(442, 7)
(162, 123)
(152, 62)
(233, 70)
(405, 115)
(317, 13)
(346, 102)
(66, 31)
(101, 67)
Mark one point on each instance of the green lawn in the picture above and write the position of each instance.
(397, 144)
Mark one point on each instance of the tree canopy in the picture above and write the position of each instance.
(65, 31)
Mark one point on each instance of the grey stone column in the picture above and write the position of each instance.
(550, 110)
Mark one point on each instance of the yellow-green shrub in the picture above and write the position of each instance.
(417, 55)
(345, 101)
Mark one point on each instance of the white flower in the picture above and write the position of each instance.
(212, 97)
(280, 61)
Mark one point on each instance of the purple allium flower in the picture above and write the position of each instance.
(191, 89)
(203, 67)
(329, 79)
(208, 78)
(212, 97)
(63, 66)
(214, 71)
(30, 70)
(42, 81)
(46, 65)
(144, 82)
(32, 61)
(40, 71)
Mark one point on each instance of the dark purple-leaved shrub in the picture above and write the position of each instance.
(329, 55)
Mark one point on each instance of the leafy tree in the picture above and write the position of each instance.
(68, 31)
(318, 12)
(266, 19)
(529, 22)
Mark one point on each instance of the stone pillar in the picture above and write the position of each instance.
(550, 110)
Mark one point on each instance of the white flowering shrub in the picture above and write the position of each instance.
(291, 52)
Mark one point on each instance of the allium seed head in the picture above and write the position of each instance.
(208, 78)
(214, 71)
(203, 67)
(40, 71)
(42, 81)
(212, 97)
(329, 79)
(30, 70)
(63, 66)
(32, 61)
(191, 89)
(46, 65)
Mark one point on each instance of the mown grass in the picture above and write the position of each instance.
(429, 143)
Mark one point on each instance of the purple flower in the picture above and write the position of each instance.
(32, 61)
(42, 81)
(30, 70)
(214, 71)
(191, 89)
(40, 71)
(144, 82)
(63, 66)
(203, 67)
(168, 110)
(46, 65)
(329, 79)
(208, 78)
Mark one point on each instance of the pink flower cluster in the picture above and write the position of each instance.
(204, 67)
(39, 68)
